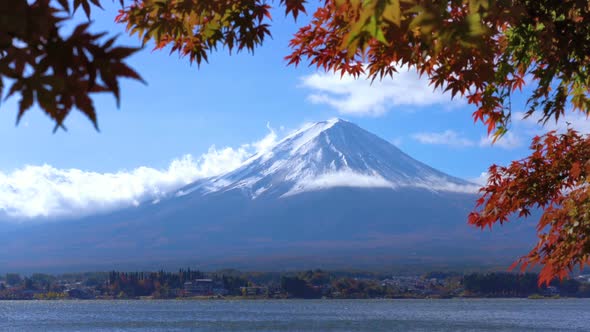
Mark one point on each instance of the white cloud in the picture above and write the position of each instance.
(509, 141)
(437, 183)
(481, 180)
(216, 161)
(340, 179)
(529, 127)
(448, 137)
(270, 140)
(352, 179)
(398, 141)
(46, 191)
(450, 187)
(359, 97)
(515, 138)
(452, 138)
(575, 120)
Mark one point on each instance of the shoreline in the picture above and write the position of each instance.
(240, 298)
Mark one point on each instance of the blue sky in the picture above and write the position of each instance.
(232, 101)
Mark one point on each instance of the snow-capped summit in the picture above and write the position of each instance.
(327, 154)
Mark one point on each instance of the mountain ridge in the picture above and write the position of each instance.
(332, 191)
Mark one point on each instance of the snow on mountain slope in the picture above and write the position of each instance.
(322, 155)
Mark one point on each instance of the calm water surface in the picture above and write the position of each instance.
(295, 315)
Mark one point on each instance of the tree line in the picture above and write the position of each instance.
(310, 284)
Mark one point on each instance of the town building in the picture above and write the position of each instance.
(204, 287)
(254, 291)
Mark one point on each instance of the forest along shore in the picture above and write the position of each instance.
(312, 284)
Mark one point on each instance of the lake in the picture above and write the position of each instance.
(298, 315)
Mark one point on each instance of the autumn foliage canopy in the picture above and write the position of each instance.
(482, 50)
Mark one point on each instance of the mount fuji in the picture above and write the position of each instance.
(329, 154)
(328, 195)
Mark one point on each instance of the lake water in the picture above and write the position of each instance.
(298, 315)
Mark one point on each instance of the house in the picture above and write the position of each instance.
(551, 291)
(199, 287)
(204, 287)
(254, 291)
(81, 294)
